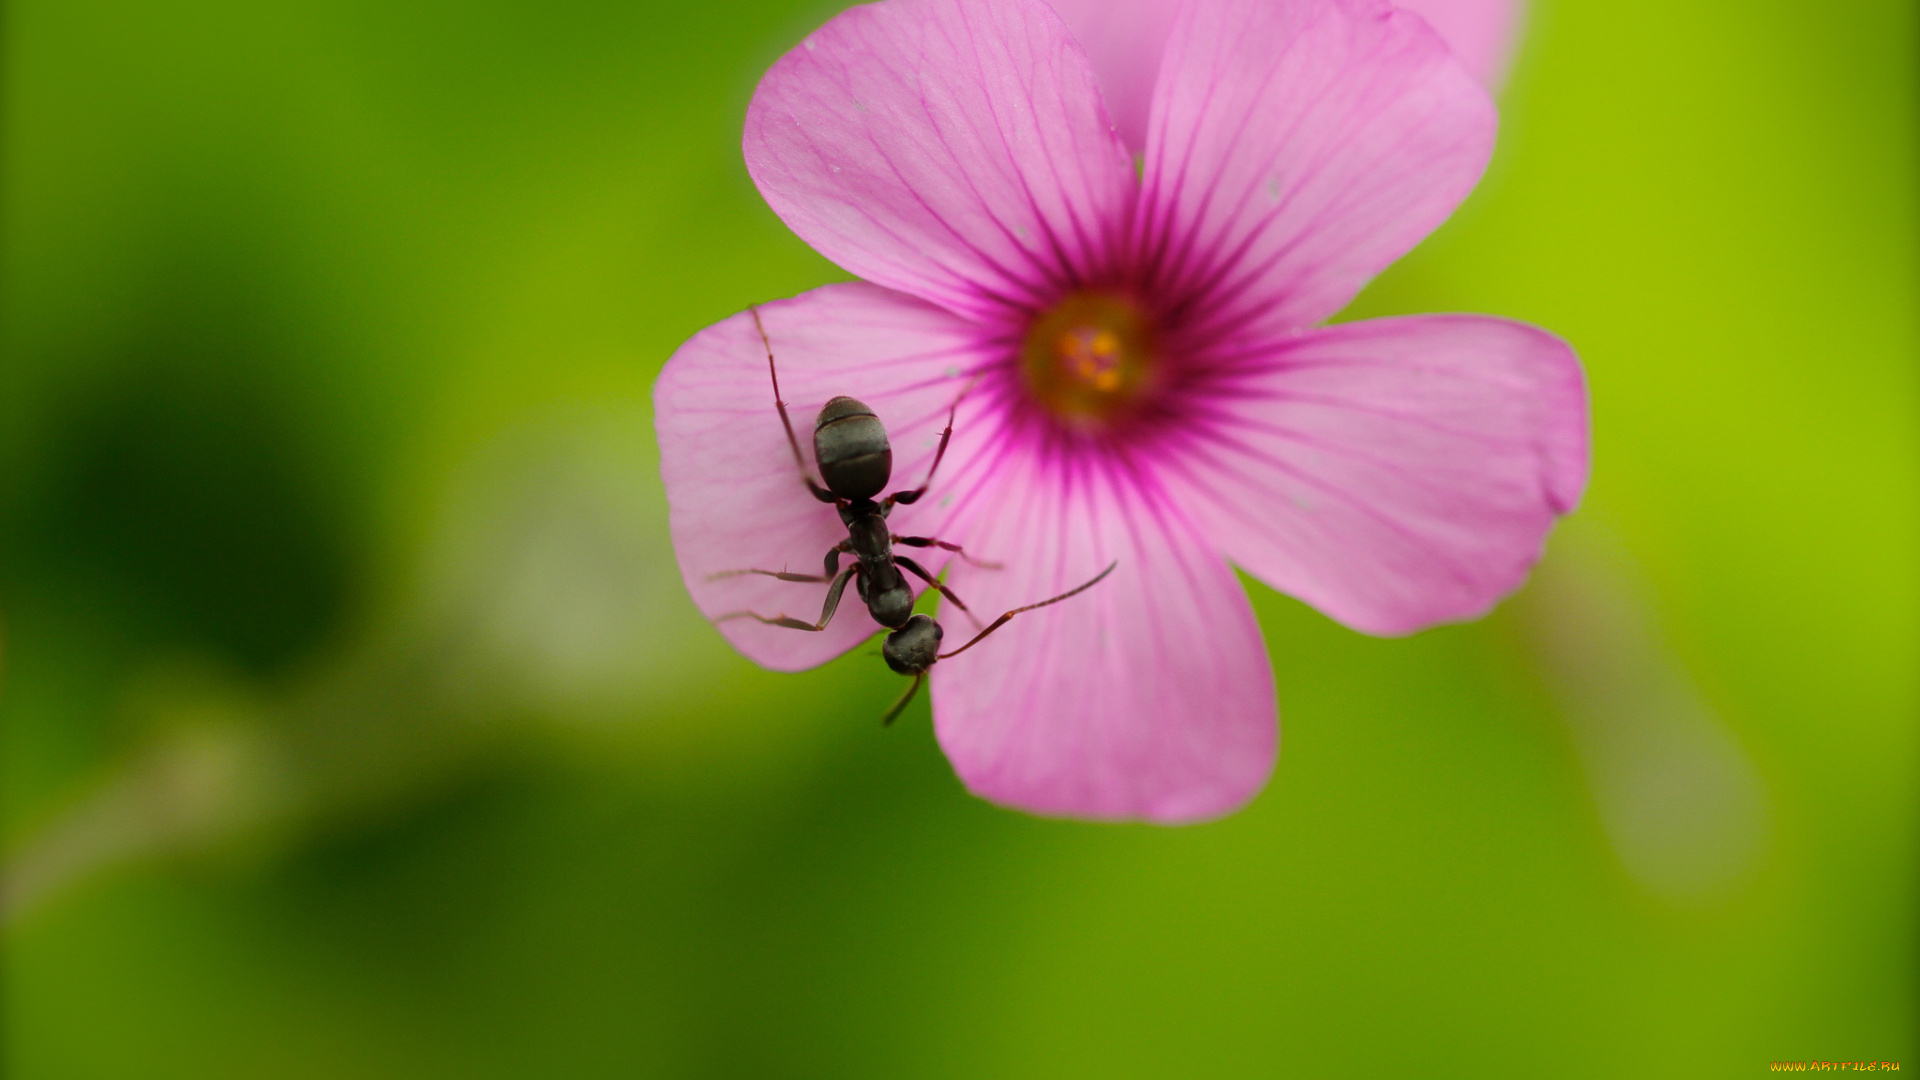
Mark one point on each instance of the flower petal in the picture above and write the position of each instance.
(1297, 148)
(1481, 33)
(1125, 40)
(1148, 696)
(953, 149)
(1393, 473)
(735, 499)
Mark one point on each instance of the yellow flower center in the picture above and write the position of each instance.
(1090, 358)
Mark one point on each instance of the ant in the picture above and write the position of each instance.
(856, 461)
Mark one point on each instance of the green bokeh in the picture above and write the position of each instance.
(327, 508)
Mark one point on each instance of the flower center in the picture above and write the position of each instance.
(1089, 358)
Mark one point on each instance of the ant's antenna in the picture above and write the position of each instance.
(1002, 620)
(900, 706)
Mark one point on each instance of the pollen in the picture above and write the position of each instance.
(1090, 358)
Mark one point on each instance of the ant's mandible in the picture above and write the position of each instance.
(856, 461)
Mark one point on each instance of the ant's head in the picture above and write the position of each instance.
(913, 648)
(851, 446)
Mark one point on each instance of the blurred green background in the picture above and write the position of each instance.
(356, 722)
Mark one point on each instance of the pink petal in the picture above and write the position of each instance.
(953, 149)
(1482, 33)
(1393, 473)
(1297, 148)
(1124, 40)
(1147, 696)
(735, 498)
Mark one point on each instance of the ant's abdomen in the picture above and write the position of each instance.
(851, 446)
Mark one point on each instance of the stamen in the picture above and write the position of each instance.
(1090, 358)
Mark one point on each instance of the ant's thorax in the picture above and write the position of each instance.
(869, 537)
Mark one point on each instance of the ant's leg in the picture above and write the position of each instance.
(908, 498)
(826, 615)
(928, 541)
(920, 572)
(781, 574)
(1002, 620)
(898, 706)
(832, 564)
(794, 444)
(833, 557)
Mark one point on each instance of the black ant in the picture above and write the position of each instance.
(856, 461)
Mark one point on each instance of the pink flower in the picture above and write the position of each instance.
(1150, 385)
(1124, 40)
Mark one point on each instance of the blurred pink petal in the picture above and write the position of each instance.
(1147, 696)
(1393, 473)
(1298, 149)
(1125, 40)
(1481, 33)
(953, 149)
(735, 498)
